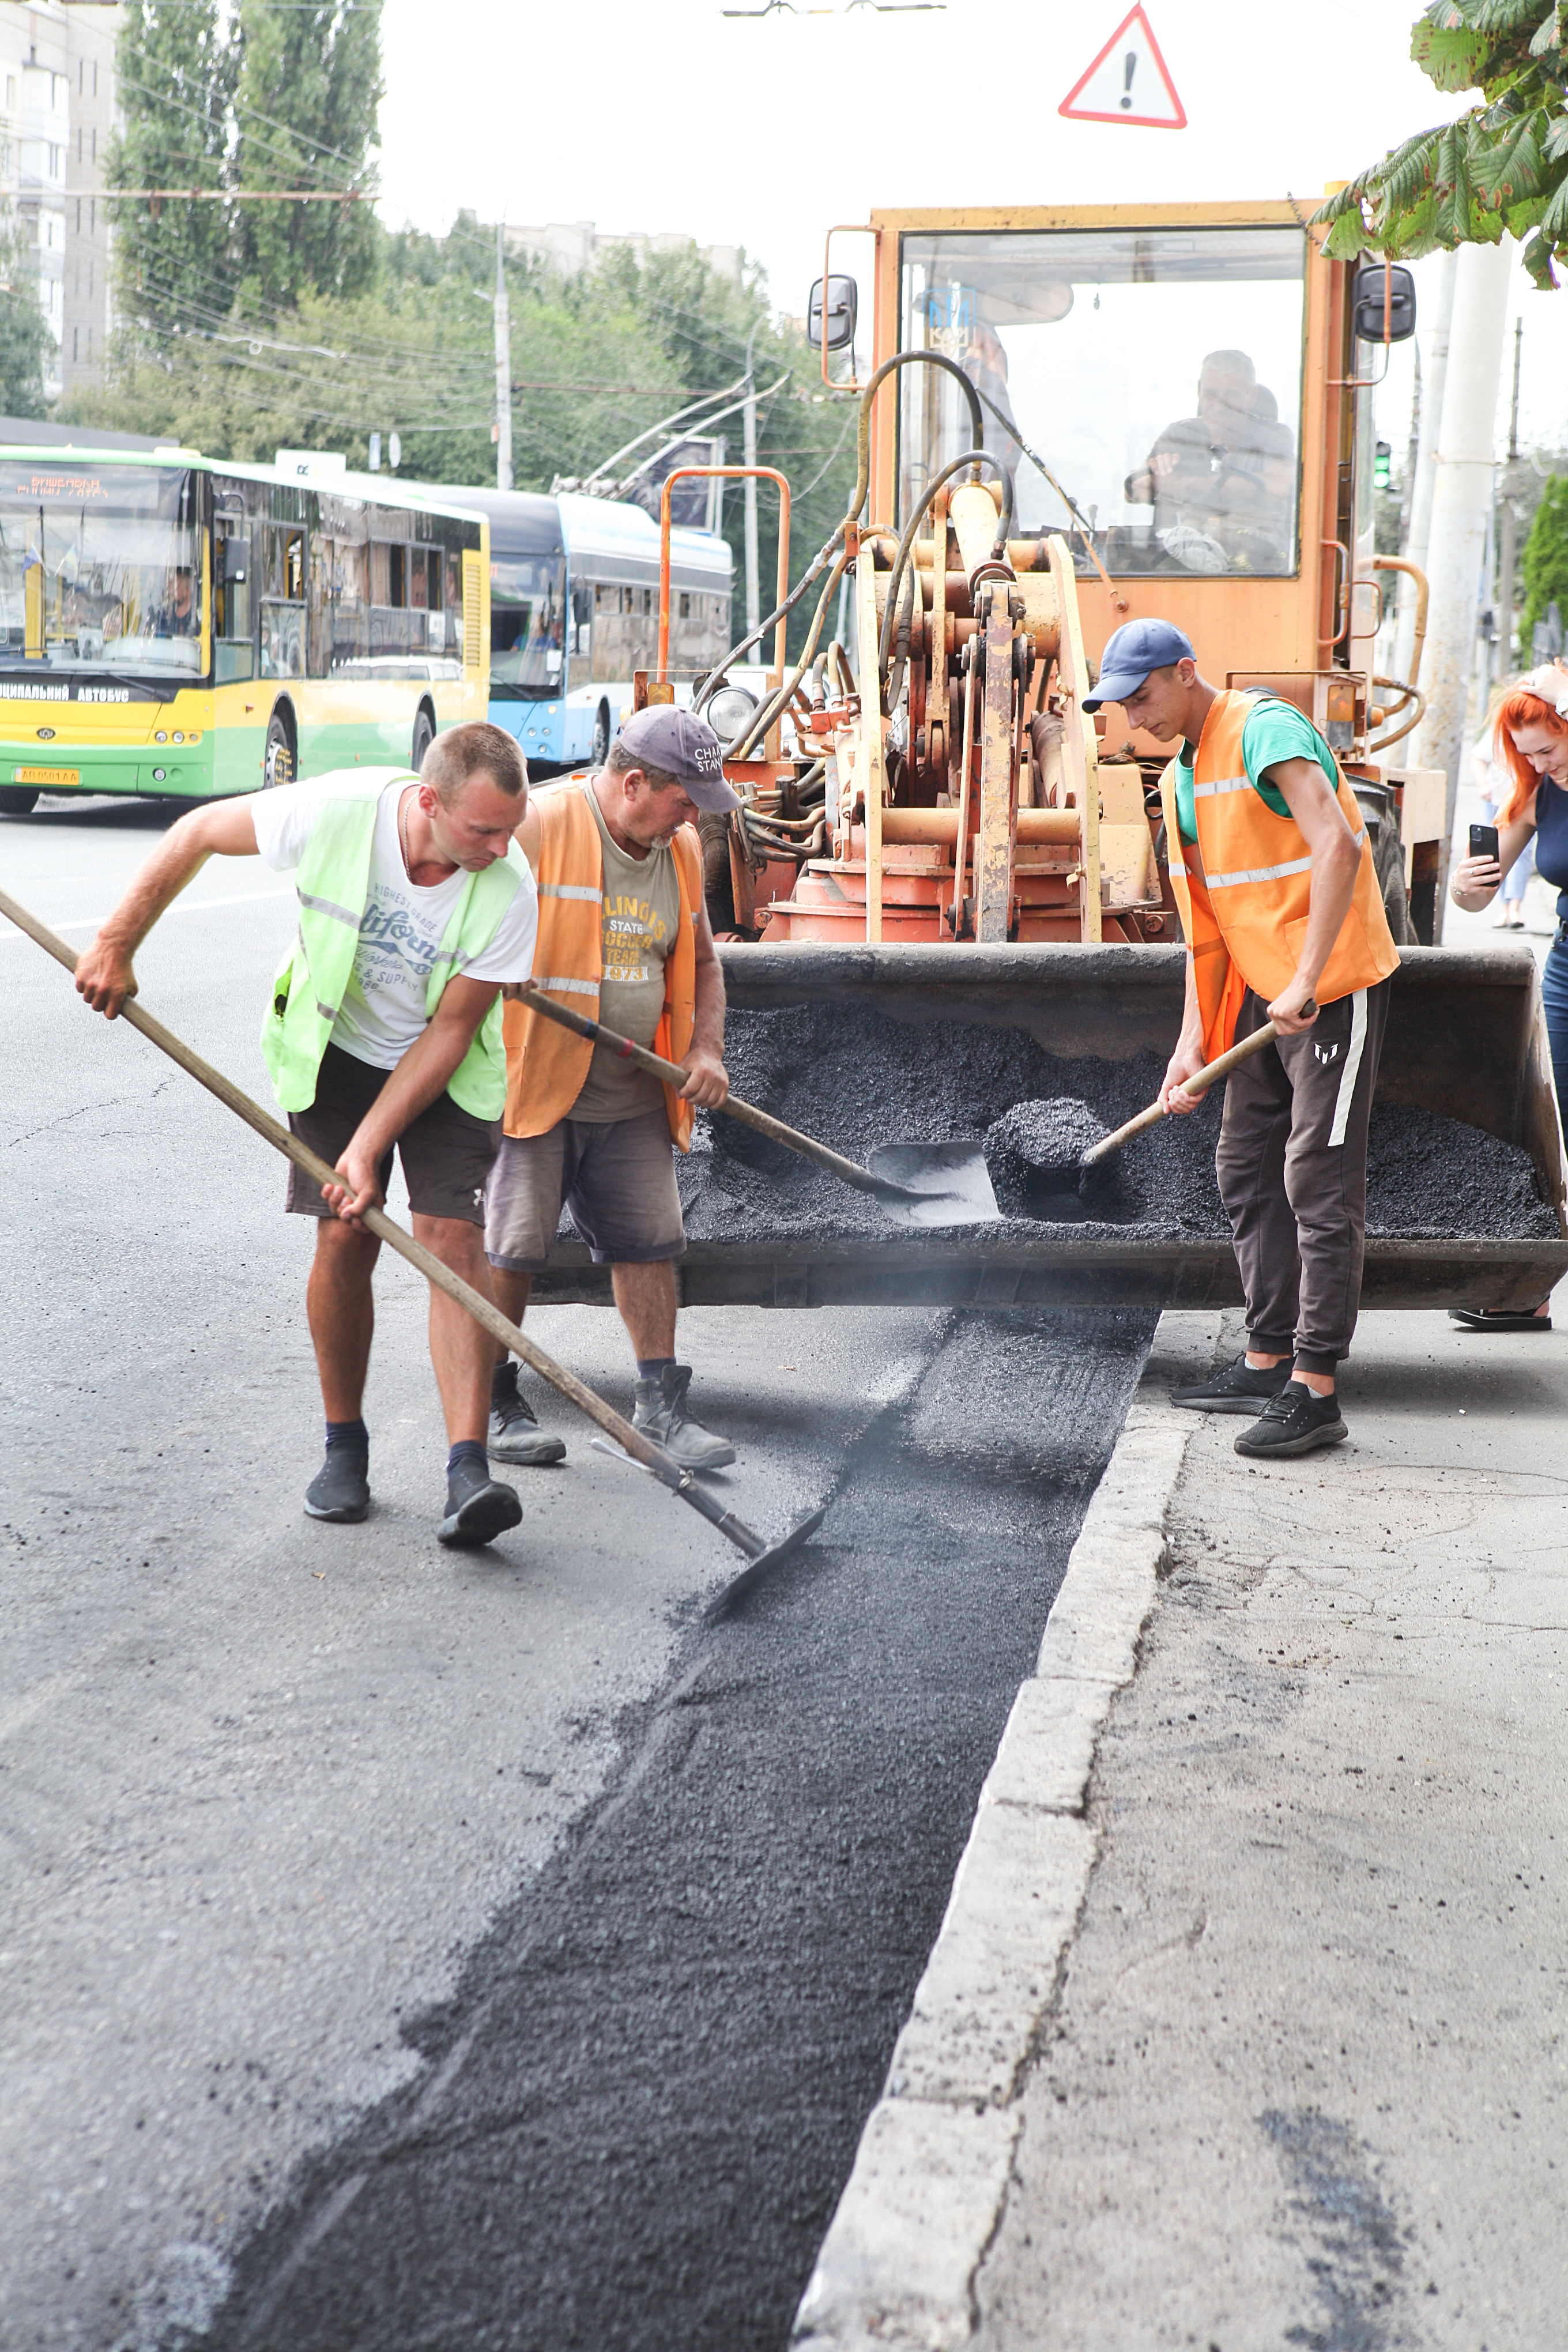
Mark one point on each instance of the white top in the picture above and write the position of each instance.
(383, 1011)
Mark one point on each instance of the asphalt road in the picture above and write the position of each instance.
(405, 1947)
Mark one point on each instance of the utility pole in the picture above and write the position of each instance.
(1425, 464)
(503, 371)
(1508, 519)
(1462, 502)
(753, 597)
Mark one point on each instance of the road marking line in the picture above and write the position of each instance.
(180, 907)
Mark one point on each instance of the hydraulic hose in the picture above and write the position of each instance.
(774, 704)
(975, 457)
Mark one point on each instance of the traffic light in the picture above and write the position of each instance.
(1380, 466)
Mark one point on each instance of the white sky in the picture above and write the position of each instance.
(666, 115)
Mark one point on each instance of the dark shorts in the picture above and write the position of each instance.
(446, 1154)
(617, 1178)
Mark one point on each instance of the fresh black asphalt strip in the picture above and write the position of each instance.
(640, 2107)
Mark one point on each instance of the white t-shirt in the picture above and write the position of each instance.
(383, 1011)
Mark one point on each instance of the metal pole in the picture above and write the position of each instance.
(1508, 519)
(503, 372)
(754, 595)
(1425, 462)
(1461, 498)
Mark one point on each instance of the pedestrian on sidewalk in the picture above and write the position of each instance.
(1532, 740)
(1494, 783)
(624, 937)
(1279, 902)
(383, 1031)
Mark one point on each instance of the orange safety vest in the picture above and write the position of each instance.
(1245, 912)
(546, 1066)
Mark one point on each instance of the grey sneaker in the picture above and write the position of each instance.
(661, 1413)
(514, 1434)
(478, 1507)
(1237, 1389)
(340, 1491)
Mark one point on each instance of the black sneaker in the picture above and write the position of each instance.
(478, 1507)
(1298, 1421)
(1238, 1389)
(341, 1488)
(514, 1434)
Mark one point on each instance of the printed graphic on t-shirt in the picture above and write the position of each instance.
(397, 951)
(636, 941)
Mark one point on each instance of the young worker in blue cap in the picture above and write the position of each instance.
(1279, 903)
(623, 937)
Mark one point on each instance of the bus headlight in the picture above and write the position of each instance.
(729, 712)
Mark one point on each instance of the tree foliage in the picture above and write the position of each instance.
(1504, 165)
(1544, 564)
(24, 330)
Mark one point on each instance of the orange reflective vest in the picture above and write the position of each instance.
(1244, 895)
(546, 1066)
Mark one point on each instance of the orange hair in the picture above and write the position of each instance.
(1521, 709)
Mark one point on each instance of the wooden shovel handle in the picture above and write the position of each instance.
(1197, 1086)
(848, 1172)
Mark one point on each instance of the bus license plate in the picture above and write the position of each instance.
(49, 775)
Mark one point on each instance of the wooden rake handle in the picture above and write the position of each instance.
(1197, 1086)
(848, 1172)
(631, 1440)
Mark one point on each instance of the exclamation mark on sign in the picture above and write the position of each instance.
(1129, 67)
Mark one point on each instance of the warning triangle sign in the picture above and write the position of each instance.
(1128, 82)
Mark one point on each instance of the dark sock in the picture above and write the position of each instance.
(468, 1449)
(654, 1367)
(503, 1381)
(352, 1433)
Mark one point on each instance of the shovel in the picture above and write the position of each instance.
(917, 1183)
(1196, 1085)
(760, 1556)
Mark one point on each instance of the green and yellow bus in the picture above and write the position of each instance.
(177, 628)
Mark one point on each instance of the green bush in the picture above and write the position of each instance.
(1545, 562)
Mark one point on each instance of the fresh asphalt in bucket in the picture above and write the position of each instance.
(637, 2112)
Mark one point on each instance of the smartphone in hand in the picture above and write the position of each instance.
(1484, 843)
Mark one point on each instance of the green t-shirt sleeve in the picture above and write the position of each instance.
(1278, 730)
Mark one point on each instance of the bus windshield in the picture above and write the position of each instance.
(100, 566)
(527, 613)
(1157, 373)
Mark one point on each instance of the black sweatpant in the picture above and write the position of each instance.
(1291, 1165)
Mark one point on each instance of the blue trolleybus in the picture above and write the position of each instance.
(575, 611)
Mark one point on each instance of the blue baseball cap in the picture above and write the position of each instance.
(671, 737)
(1131, 652)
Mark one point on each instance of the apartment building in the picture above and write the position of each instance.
(56, 101)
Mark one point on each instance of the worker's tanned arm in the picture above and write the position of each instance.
(1336, 860)
(420, 1077)
(708, 1081)
(224, 829)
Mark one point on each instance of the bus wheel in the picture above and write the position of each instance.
(277, 762)
(18, 800)
(601, 751)
(424, 736)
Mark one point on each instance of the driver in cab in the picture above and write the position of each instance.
(1221, 483)
(177, 618)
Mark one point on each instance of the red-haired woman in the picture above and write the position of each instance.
(1532, 741)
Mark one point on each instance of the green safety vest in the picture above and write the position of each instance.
(332, 882)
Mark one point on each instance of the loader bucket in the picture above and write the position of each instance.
(1466, 1041)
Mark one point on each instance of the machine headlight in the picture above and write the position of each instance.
(729, 712)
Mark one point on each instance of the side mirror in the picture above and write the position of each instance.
(1370, 290)
(841, 306)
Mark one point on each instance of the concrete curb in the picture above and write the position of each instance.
(897, 2267)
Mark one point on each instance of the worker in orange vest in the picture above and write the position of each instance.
(623, 937)
(1279, 903)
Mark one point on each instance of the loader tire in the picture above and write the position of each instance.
(1388, 861)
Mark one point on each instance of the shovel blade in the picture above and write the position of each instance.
(948, 1183)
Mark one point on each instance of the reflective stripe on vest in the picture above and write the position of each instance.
(309, 985)
(546, 1066)
(1244, 906)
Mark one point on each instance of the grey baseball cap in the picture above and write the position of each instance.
(686, 747)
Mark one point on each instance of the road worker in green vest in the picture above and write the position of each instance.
(382, 1031)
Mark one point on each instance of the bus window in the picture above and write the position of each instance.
(527, 625)
(283, 602)
(582, 635)
(234, 655)
(107, 561)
